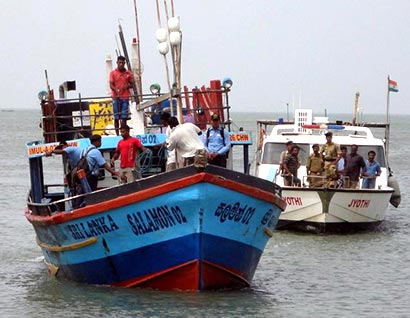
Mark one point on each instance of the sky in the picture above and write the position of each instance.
(310, 54)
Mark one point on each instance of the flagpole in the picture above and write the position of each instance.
(387, 130)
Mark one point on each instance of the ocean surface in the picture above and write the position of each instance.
(300, 275)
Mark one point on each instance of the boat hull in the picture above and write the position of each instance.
(183, 230)
(333, 210)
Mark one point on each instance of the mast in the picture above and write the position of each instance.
(139, 70)
(356, 108)
(124, 48)
(162, 38)
(387, 129)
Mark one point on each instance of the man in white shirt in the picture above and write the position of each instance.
(185, 140)
(171, 161)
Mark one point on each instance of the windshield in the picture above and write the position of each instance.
(272, 151)
(363, 150)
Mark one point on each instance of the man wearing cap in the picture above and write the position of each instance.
(217, 142)
(95, 161)
(330, 152)
(127, 150)
(314, 168)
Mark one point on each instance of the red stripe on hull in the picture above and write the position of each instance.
(152, 192)
(191, 276)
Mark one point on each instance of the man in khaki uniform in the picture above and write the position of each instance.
(314, 168)
(329, 152)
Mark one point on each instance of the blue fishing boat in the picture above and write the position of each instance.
(200, 227)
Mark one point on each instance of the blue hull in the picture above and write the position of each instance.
(185, 230)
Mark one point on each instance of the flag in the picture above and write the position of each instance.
(393, 86)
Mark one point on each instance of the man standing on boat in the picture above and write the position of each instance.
(354, 165)
(185, 140)
(95, 161)
(314, 168)
(329, 152)
(217, 142)
(121, 80)
(373, 170)
(291, 166)
(127, 150)
(72, 154)
(283, 154)
(341, 167)
(171, 161)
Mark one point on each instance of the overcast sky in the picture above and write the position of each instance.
(309, 53)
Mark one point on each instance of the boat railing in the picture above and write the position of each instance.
(312, 181)
(71, 118)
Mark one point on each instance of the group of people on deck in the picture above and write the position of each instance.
(183, 140)
(330, 166)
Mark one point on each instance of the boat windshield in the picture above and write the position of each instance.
(364, 149)
(272, 151)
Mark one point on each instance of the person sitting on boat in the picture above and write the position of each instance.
(314, 168)
(127, 150)
(283, 154)
(354, 166)
(341, 167)
(217, 143)
(291, 165)
(185, 140)
(95, 161)
(329, 152)
(121, 80)
(373, 170)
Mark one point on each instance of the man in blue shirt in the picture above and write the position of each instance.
(72, 154)
(217, 142)
(95, 161)
(373, 170)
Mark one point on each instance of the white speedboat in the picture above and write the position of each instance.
(325, 209)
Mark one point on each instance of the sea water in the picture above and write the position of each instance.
(300, 275)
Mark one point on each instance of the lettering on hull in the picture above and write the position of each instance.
(357, 203)
(293, 200)
(92, 228)
(155, 219)
(234, 212)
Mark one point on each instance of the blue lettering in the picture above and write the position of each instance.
(155, 219)
(234, 212)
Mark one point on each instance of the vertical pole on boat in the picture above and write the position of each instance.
(387, 128)
(36, 178)
(139, 79)
(108, 69)
(356, 108)
(175, 56)
(163, 53)
(124, 48)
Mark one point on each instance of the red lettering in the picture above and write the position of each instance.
(293, 200)
(356, 203)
